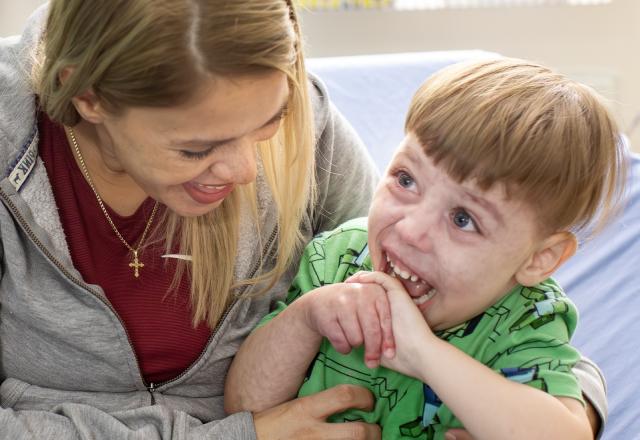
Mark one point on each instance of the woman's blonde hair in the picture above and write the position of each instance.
(154, 53)
(549, 139)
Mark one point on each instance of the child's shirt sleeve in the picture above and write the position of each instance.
(525, 337)
(331, 257)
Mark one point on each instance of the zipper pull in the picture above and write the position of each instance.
(152, 389)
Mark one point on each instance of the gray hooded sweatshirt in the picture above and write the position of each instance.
(67, 366)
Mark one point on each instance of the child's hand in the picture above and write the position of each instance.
(350, 314)
(410, 329)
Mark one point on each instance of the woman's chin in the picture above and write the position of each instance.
(190, 208)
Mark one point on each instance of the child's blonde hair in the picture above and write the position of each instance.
(549, 139)
(156, 53)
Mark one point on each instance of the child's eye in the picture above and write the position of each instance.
(463, 220)
(404, 179)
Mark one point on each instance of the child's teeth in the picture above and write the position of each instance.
(404, 274)
(424, 298)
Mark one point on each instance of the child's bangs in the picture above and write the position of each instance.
(544, 137)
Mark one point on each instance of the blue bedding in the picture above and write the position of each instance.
(603, 279)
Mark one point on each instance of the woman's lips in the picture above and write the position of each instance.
(207, 194)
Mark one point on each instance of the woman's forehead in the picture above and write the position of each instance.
(221, 109)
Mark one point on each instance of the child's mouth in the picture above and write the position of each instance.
(419, 290)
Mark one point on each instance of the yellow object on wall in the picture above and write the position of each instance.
(344, 4)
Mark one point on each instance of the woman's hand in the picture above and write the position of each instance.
(305, 417)
(352, 314)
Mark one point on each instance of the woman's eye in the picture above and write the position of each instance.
(464, 221)
(404, 180)
(271, 129)
(195, 155)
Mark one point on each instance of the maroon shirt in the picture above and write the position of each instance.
(158, 320)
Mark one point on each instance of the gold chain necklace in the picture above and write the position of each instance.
(135, 264)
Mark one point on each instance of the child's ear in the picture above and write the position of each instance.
(552, 252)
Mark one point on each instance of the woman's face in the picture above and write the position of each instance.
(190, 157)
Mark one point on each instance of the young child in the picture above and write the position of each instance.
(503, 161)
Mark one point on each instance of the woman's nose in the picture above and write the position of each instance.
(239, 166)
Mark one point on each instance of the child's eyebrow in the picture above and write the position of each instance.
(487, 205)
(410, 154)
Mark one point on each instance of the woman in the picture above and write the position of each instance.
(143, 145)
(164, 163)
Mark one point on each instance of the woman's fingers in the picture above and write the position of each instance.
(352, 430)
(337, 399)
(306, 416)
(457, 434)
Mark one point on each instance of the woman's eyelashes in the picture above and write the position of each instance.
(195, 155)
(263, 133)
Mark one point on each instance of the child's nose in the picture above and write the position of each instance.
(416, 229)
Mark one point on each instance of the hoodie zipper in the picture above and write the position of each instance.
(254, 270)
(151, 387)
(25, 226)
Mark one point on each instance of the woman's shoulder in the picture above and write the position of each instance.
(17, 99)
(320, 102)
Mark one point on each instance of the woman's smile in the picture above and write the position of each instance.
(207, 194)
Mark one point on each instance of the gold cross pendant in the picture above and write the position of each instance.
(136, 264)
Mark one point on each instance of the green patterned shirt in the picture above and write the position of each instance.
(524, 337)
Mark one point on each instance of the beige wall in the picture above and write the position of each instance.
(597, 44)
(13, 14)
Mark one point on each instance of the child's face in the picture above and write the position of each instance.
(463, 245)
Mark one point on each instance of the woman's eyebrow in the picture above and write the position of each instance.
(212, 143)
(279, 114)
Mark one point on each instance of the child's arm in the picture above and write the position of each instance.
(489, 405)
(270, 365)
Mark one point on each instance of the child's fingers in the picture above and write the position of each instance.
(387, 282)
(384, 315)
(337, 338)
(354, 278)
(368, 316)
(348, 320)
